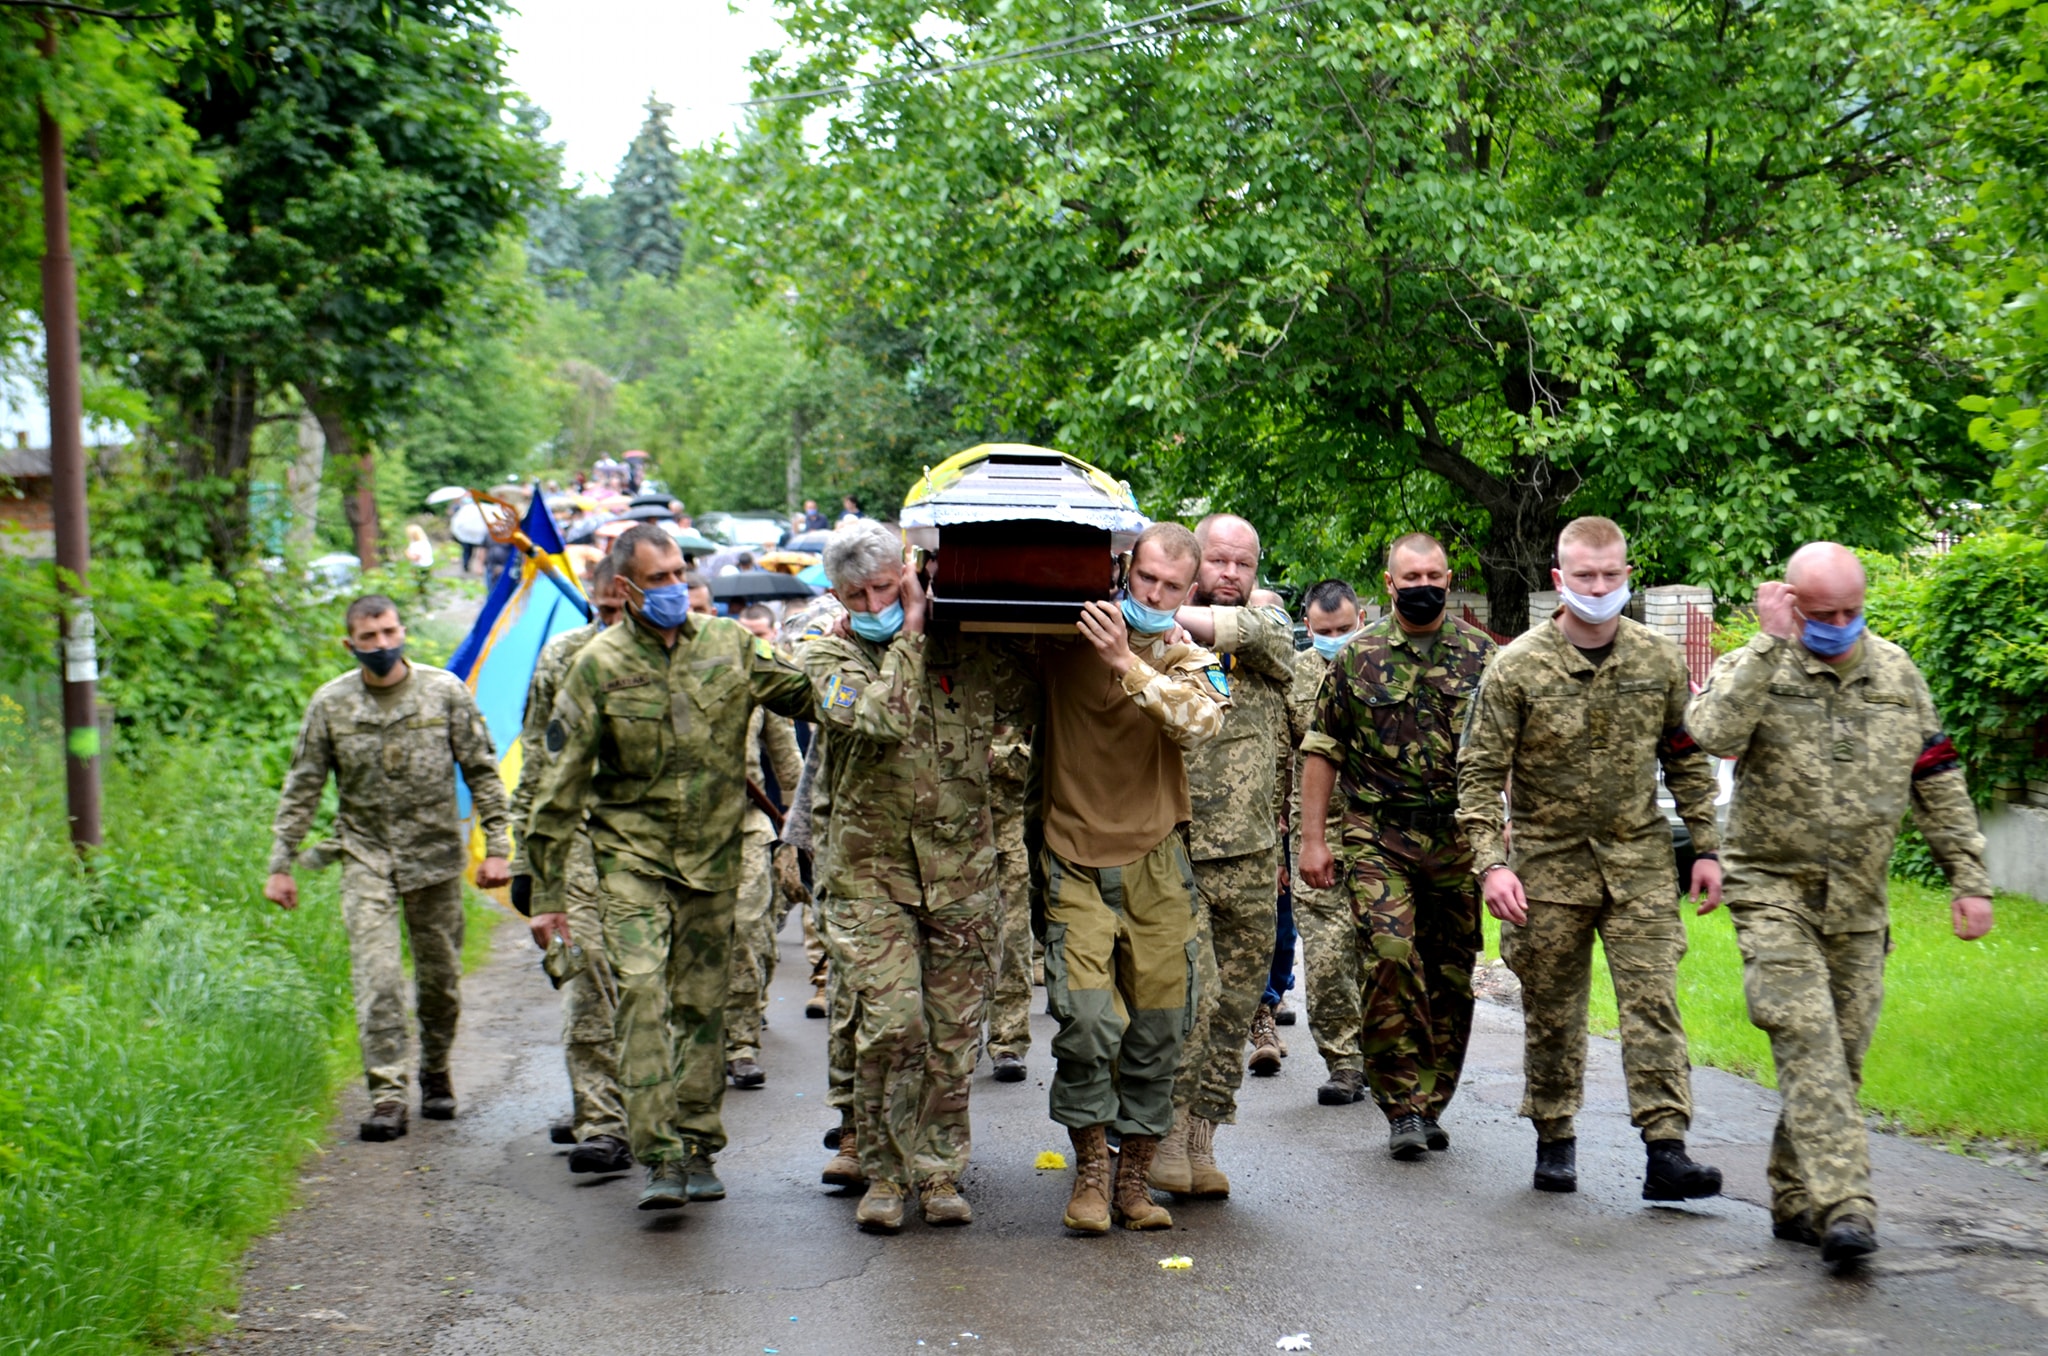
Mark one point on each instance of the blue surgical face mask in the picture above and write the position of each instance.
(665, 606)
(1329, 646)
(879, 627)
(1828, 640)
(1145, 620)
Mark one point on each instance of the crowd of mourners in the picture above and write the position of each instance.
(1141, 816)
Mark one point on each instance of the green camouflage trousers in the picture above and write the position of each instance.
(1418, 918)
(1817, 996)
(371, 907)
(840, 1015)
(1238, 909)
(1330, 965)
(754, 925)
(1009, 1009)
(1552, 954)
(669, 950)
(588, 1013)
(918, 982)
(814, 946)
(1120, 978)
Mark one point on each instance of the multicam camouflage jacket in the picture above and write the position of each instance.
(1388, 715)
(1309, 668)
(1234, 782)
(651, 744)
(906, 768)
(548, 671)
(1581, 743)
(1831, 757)
(395, 770)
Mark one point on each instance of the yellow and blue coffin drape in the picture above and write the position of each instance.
(527, 606)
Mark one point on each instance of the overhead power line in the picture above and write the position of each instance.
(1095, 40)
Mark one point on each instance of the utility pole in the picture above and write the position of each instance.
(67, 484)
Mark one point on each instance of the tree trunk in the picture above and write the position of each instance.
(303, 481)
(359, 498)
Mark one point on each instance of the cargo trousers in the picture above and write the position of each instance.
(372, 910)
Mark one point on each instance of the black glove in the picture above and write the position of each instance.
(522, 895)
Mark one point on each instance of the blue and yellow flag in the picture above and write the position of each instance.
(527, 607)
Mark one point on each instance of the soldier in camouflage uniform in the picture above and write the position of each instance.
(755, 919)
(1329, 929)
(597, 1121)
(1120, 704)
(816, 618)
(1386, 731)
(1234, 789)
(1009, 1009)
(648, 736)
(1837, 737)
(392, 733)
(1576, 716)
(910, 892)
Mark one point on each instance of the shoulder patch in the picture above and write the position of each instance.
(1218, 680)
(762, 649)
(839, 694)
(625, 681)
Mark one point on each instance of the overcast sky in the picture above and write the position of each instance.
(592, 63)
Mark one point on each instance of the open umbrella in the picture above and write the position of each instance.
(758, 585)
(447, 494)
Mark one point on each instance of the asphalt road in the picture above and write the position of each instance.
(472, 1237)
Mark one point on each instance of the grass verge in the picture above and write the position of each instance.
(1961, 1050)
(170, 1045)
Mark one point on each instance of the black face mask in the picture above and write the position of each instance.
(379, 662)
(1419, 605)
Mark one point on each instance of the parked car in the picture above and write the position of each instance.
(755, 532)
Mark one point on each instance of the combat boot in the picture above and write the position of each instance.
(1132, 1205)
(1671, 1176)
(1266, 1053)
(387, 1122)
(881, 1210)
(437, 1096)
(1557, 1165)
(745, 1073)
(562, 1130)
(1171, 1171)
(1345, 1087)
(1206, 1180)
(814, 1006)
(1798, 1229)
(844, 1168)
(667, 1187)
(1088, 1207)
(601, 1153)
(701, 1179)
(1010, 1068)
(1438, 1137)
(1283, 1015)
(1849, 1240)
(1406, 1139)
(943, 1203)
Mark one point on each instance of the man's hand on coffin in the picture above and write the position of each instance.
(1102, 625)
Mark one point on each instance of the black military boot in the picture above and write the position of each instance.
(1798, 1229)
(601, 1153)
(387, 1122)
(562, 1130)
(1849, 1240)
(1557, 1165)
(1671, 1176)
(437, 1096)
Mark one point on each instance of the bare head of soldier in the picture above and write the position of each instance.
(1592, 580)
(377, 639)
(1229, 567)
(1164, 564)
(700, 594)
(1824, 587)
(650, 572)
(605, 594)
(1418, 582)
(1330, 607)
(760, 619)
(863, 563)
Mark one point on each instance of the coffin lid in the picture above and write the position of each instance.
(1016, 482)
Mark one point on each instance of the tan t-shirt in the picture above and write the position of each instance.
(1115, 784)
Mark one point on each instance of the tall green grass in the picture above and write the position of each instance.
(1961, 1050)
(169, 1044)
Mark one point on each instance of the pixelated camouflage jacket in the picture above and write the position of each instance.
(906, 765)
(1831, 758)
(1581, 745)
(1309, 668)
(548, 671)
(395, 771)
(1234, 782)
(1389, 713)
(651, 745)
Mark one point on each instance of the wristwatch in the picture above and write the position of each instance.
(1489, 869)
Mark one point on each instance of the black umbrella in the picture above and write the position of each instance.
(758, 584)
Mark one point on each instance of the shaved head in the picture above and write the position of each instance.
(1827, 582)
(1230, 560)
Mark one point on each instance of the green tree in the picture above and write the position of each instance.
(649, 185)
(1681, 263)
